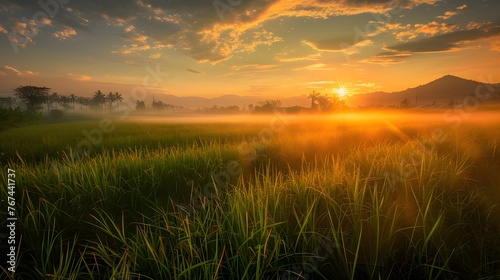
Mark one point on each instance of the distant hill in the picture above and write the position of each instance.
(437, 92)
(225, 100)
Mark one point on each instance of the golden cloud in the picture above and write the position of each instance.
(78, 77)
(23, 73)
(64, 34)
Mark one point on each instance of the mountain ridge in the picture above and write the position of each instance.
(443, 90)
(439, 91)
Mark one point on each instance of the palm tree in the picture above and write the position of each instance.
(314, 100)
(73, 98)
(52, 99)
(64, 101)
(118, 99)
(81, 100)
(110, 98)
(99, 98)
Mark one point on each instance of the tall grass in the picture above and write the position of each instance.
(316, 201)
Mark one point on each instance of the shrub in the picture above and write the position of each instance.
(12, 117)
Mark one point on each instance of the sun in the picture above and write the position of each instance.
(341, 92)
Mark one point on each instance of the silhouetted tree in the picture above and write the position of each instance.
(159, 105)
(314, 100)
(72, 99)
(33, 97)
(83, 101)
(110, 98)
(140, 105)
(99, 98)
(268, 106)
(405, 103)
(118, 99)
(64, 102)
(6, 102)
(324, 103)
(52, 99)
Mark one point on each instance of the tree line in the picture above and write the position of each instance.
(35, 98)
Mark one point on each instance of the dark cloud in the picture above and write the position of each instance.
(449, 41)
(193, 71)
(387, 58)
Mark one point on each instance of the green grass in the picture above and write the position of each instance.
(320, 199)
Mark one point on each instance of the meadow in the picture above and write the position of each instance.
(365, 195)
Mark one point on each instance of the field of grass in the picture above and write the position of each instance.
(344, 197)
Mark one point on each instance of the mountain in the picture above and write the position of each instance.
(223, 101)
(437, 92)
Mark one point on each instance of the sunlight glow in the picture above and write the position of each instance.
(341, 92)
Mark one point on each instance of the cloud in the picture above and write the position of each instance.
(78, 77)
(447, 42)
(209, 31)
(64, 34)
(387, 58)
(254, 67)
(3, 30)
(22, 73)
(132, 48)
(193, 71)
(478, 25)
(135, 37)
(494, 43)
(316, 66)
(449, 14)
(339, 44)
(287, 57)
(411, 31)
(251, 69)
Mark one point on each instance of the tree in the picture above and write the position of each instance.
(64, 101)
(6, 102)
(33, 97)
(405, 103)
(72, 99)
(324, 103)
(314, 100)
(51, 100)
(110, 98)
(99, 99)
(83, 101)
(140, 105)
(268, 106)
(118, 99)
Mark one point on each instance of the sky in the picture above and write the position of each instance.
(265, 48)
